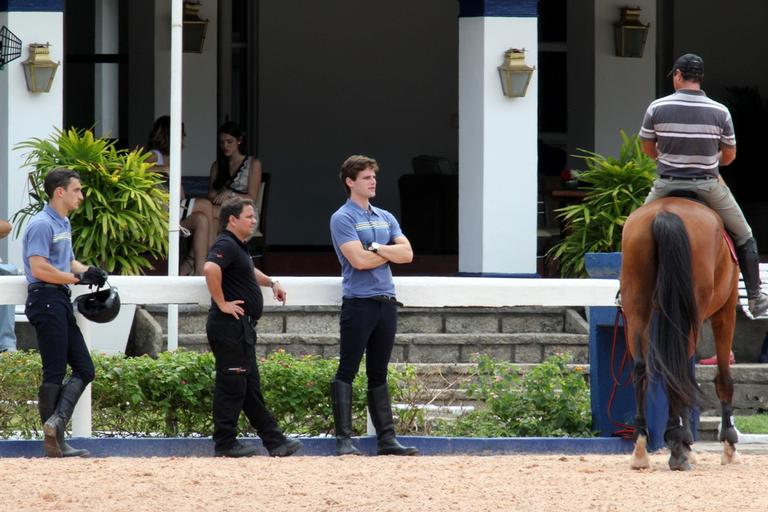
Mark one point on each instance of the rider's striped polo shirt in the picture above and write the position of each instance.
(353, 223)
(688, 128)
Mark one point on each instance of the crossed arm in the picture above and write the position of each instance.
(399, 251)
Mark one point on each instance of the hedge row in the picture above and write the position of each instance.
(171, 396)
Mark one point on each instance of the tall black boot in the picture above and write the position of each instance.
(749, 261)
(341, 401)
(381, 415)
(56, 422)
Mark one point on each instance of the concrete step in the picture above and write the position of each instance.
(708, 428)
(426, 348)
(325, 320)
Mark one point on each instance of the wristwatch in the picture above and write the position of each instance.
(374, 247)
(273, 282)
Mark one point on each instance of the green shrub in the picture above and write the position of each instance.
(124, 217)
(172, 396)
(20, 376)
(548, 400)
(614, 189)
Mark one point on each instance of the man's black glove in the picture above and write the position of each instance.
(94, 275)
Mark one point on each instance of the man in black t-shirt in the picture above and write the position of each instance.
(236, 306)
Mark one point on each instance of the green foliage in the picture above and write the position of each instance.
(172, 396)
(755, 424)
(124, 216)
(614, 189)
(20, 377)
(297, 390)
(549, 400)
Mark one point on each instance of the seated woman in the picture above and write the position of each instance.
(234, 173)
(196, 218)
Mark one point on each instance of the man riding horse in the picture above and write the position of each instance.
(690, 136)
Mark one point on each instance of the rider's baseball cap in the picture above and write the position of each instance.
(690, 65)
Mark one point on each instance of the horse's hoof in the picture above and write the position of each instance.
(640, 458)
(679, 465)
(730, 455)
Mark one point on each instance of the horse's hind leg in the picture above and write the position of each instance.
(723, 326)
(679, 439)
(640, 458)
(637, 316)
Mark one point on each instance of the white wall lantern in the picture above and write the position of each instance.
(515, 74)
(39, 69)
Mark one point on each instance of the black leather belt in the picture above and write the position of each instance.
(61, 287)
(385, 298)
(687, 178)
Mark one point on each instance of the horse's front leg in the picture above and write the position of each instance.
(640, 459)
(723, 327)
(729, 436)
(679, 439)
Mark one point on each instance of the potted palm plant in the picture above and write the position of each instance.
(123, 221)
(614, 188)
(124, 218)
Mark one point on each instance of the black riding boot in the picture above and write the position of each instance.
(749, 261)
(55, 418)
(341, 401)
(381, 415)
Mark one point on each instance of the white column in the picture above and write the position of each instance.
(497, 150)
(23, 114)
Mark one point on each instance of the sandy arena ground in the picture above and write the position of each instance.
(447, 483)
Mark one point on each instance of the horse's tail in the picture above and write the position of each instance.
(676, 312)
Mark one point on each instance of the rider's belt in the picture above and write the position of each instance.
(61, 287)
(686, 178)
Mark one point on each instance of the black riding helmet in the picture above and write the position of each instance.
(101, 306)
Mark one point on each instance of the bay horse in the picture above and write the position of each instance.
(677, 271)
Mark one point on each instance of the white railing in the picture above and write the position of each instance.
(325, 291)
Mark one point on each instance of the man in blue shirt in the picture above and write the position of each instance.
(366, 240)
(50, 266)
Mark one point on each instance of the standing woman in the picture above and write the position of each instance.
(234, 173)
